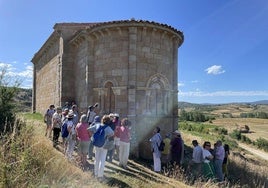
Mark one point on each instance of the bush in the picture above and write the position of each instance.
(262, 144)
(195, 116)
(236, 134)
(221, 131)
(246, 139)
(7, 104)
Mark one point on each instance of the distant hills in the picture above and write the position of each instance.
(260, 102)
(193, 105)
(24, 98)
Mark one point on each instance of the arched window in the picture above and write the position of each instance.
(157, 100)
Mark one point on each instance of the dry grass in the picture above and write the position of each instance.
(251, 173)
(28, 160)
(35, 163)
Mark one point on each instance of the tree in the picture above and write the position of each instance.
(8, 89)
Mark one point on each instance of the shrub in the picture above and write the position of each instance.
(7, 105)
(236, 134)
(221, 131)
(246, 139)
(262, 144)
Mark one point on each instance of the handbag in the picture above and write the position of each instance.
(108, 144)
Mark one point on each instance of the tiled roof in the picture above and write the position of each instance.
(93, 25)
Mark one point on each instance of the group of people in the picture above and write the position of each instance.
(173, 152)
(208, 162)
(81, 129)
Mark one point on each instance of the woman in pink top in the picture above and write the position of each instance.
(124, 135)
(83, 138)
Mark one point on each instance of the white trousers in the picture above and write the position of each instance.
(70, 148)
(123, 153)
(100, 156)
(157, 163)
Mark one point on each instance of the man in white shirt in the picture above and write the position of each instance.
(197, 159)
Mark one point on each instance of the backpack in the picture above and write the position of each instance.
(64, 130)
(99, 136)
(161, 146)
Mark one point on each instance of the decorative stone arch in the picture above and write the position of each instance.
(105, 80)
(157, 95)
(107, 95)
(158, 78)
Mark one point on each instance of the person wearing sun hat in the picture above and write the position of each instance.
(176, 148)
(71, 139)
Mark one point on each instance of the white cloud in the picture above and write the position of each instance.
(223, 93)
(6, 65)
(180, 84)
(13, 72)
(24, 76)
(215, 69)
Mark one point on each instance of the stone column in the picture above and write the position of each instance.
(175, 84)
(132, 71)
(90, 70)
(131, 92)
(59, 72)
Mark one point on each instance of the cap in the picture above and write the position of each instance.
(70, 114)
(116, 115)
(177, 133)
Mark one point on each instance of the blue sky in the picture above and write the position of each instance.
(224, 57)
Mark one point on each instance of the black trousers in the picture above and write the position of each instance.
(56, 135)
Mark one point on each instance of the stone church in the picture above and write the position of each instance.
(128, 67)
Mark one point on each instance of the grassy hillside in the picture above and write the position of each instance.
(29, 160)
(228, 116)
(24, 100)
(225, 122)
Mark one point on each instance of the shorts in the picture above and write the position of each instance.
(116, 141)
(83, 147)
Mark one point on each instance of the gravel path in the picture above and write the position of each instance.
(259, 153)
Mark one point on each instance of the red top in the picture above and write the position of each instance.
(117, 131)
(82, 132)
(124, 134)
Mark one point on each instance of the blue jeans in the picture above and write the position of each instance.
(90, 150)
(218, 169)
(110, 155)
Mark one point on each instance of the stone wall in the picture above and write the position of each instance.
(47, 74)
(127, 67)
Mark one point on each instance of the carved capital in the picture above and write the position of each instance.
(118, 90)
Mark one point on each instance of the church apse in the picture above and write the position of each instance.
(129, 67)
